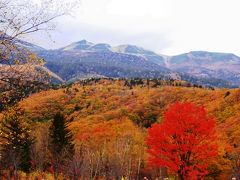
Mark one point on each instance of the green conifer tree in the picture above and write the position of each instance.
(61, 143)
(60, 135)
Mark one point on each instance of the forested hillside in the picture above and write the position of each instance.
(108, 120)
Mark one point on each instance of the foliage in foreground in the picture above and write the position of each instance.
(184, 142)
(108, 120)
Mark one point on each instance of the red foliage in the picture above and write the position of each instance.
(51, 170)
(183, 142)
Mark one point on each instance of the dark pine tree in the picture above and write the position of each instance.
(16, 141)
(61, 143)
(60, 135)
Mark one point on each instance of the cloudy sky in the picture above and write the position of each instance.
(165, 26)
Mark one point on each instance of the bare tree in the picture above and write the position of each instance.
(19, 67)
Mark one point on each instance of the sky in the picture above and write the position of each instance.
(165, 26)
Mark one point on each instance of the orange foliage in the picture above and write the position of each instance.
(94, 108)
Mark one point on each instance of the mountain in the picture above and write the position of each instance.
(85, 59)
(204, 64)
(29, 46)
(81, 45)
(85, 46)
(72, 65)
(138, 51)
(29, 72)
(21, 51)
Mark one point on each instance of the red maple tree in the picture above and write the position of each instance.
(184, 142)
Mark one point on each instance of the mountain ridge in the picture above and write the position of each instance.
(102, 59)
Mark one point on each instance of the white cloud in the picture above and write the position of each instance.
(166, 26)
(138, 8)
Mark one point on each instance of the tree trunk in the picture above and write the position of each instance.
(180, 177)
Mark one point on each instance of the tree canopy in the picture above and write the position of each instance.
(184, 142)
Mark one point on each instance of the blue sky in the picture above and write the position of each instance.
(165, 26)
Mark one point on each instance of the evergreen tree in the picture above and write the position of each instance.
(60, 135)
(16, 141)
(61, 143)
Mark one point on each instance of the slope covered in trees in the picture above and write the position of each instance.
(109, 119)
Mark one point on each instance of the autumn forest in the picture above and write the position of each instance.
(129, 129)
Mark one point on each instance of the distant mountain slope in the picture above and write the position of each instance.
(138, 51)
(85, 59)
(86, 46)
(29, 46)
(72, 65)
(28, 72)
(21, 52)
(203, 64)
